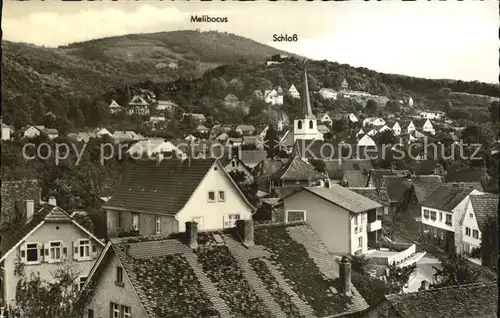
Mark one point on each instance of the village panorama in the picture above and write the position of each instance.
(176, 171)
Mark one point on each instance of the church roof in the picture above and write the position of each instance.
(306, 111)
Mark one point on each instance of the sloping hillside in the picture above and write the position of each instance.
(98, 65)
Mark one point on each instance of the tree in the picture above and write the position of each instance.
(398, 277)
(489, 244)
(393, 106)
(456, 270)
(272, 142)
(371, 107)
(249, 189)
(385, 137)
(57, 298)
(494, 111)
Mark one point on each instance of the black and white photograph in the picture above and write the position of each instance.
(256, 159)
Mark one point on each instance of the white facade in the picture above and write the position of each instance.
(359, 233)
(31, 132)
(326, 119)
(411, 127)
(273, 97)
(431, 114)
(6, 130)
(293, 92)
(384, 128)
(428, 127)
(328, 93)
(373, 121)
(396, 129)
(228, 205)
(366, 141)
(306, 129)
(469, 236)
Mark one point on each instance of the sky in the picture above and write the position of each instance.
(445, 39)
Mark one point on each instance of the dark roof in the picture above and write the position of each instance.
(377, 176)
(162, 187)
(372, 194)
(172, 280)
(465, 175)
(469, 185)
(297, 169)
(472, 300)
(14, 195)
(344, 198)
(423, 167)
(269, 166)
(336, 168)
(446, 198)
(424, 186)
(12, 234)
(485, 206)
(252, 157)
(397, 188)
(356, 178)
(284, 192)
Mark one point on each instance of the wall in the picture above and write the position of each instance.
(472, 224)
(106, 291)
(214, 213)
(66, 232)
(147, 223)
(329, 221)
(363, 223)
(31, 132)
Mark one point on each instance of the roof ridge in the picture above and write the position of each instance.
(430, 290)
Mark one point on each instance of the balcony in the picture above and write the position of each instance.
(374, 226)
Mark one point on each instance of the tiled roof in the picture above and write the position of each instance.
(297, 169)
(270, 166)
(356, 178)
(372, 194)
(336, 168)
(161, 187)
(423, 167)
(485, 206)
(11, 235)
(446, 198)
(424, 186)
(398, 188)
(345, 198)
(472, 300)
(377, 177)
(465, 175)
(287, 139)
(252, 157)
(14, 195)
(246, 128)
(284, 192)
(468, 185)
(166, 274)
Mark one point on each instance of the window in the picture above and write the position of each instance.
(299, 124)
(230, 220)
(119, 274)
(295, 216)
(120, 311)
(311, 124)
(475, 234)
(466, 248)
(471, 215)
(135, 221)
(440, 216)
(90, 313)
(81, 282)
(222, 196)
(55, 251)
(115, 310)
(426, 214)
(233, 164)
(31, 252)
(211, 196)
(84, 248)
(467, 231)
(158, 225)
(433, 215)
(448, 219)
(360, 242)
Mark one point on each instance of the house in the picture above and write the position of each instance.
(14, 196)
(425, 125)
(173, 65)
(431, 114)
(147, 203)
(6, 132)
(205, 271)
(222, 137)
(115, 108)
(234, 142)
(190, 138)
(474, 221)
(101, 132)
(164, 105)
(125, 136)
(328, 93)
(296, 173)
(336, 168)
(34, 131)
(352, 118)
(200, 118)
(410, 128)
(157, 119)
(360, 132)
(383, 128)
(469, 300)
(467, 175)
(235, 164)
(441, 213)
(366, 140)
(324, 118)
(202, 129)
(376, 178)
(153, 147)
(273, 97)
(246, 130)
(323, 129)
(344, 220)
(292, 91)
(422, 187)
(82, 136)
(373, 121)
(231, 100)
(45, 239)
(396, 129)
(138, 106)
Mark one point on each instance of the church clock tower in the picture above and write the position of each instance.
(305, 127)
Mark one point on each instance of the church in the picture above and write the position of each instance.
(305, 127)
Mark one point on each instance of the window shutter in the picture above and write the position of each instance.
(46, 255)
(64, 251)
(94, 251)
(75, 250)
(23, 253)
(41, 252)
(225, 221)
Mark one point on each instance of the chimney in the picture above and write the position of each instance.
(30, 209)
(244, 229)
(52, 200)
(423, 285)
(345, 275)
(192, 234)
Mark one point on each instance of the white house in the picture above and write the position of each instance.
(473, 221)
(372, 132)
(114, 107)
(428, 127)
(396, 129)
(352, 118)
(273, 97)
(34, 131)
(148, 204)
(138, 106)
(360, 132)
(293, 92)
(366, 140)
(156, 119)
(43, 241)
(305, 127)
(323, 129)
(166, 105)
(410, 128)
(431, 114)
(190, 138)
(6, 131)
(328, 93)
(325, 119)
(374, 121)
(150, 148)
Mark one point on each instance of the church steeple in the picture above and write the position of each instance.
(306, 111)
